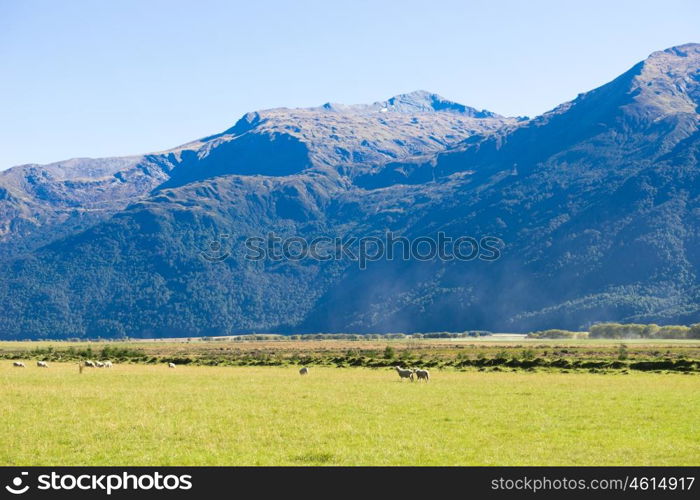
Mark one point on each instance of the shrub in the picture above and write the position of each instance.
(556, 334)
(673, 332)
(622, 353)
(633, 330)
(406, 355)
(694, 331)
(528, 354)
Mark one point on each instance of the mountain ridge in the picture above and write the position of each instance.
(597, 203)
(61, 197)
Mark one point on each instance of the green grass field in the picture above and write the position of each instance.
(227, 415)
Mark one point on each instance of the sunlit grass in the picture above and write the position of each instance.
(151, 415)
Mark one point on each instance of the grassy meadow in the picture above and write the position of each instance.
(147, 414)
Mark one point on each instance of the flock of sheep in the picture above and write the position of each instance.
(85, 364)
(40, 364)
(98, 364)
(408, 373)
(93, 364)
(411, 373)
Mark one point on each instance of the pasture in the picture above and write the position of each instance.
(148, 414)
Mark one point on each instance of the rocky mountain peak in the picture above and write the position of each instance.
(416, 102)
(422, 101)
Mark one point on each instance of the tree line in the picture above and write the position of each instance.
(624, 331)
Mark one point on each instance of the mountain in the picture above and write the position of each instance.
(597, 202)
(596, 205)
(39, 203)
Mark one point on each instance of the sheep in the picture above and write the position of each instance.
(171, 365)
(99, 364)
(304, 371)
(108, 364)
(90, 364)
(18, 364)
(423, 375)
(404, 373)
(42, 364)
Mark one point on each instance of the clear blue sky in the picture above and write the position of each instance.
(98, 78)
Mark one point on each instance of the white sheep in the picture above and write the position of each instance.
(99, 364)
(90, 364)
(304, 371)
(42, 364)
(404, 373)
(423, 375)
(108, 364)
(18, 364)
(171, 365)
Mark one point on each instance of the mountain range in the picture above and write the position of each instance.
(596, 204)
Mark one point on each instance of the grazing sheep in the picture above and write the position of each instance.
(404, 373)
(90, 364)
(171, 365)
(108, 364)
(99, 364)
(18, 364)
(42, 364)
(423, 375)
(304, 371)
